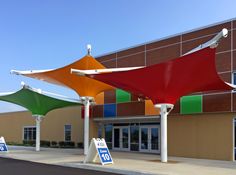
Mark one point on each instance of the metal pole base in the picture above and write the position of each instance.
(164, 114)
(86, 101)
(38, 119)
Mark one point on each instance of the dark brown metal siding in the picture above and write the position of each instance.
(109, 64)
(110, 96)
(223, 61)
(106, 57)
(176, 109)
(234, 58)
(162, 43)
(234, 102)
(162, 54)
(226, 77)
(188, 45)
(217, 103)
(131, 51)
(234, 37)
(132, 60)
(170, 48)
(131, 109)
(97, 111)
(206, 31)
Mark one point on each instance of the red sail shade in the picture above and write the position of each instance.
(168, 81)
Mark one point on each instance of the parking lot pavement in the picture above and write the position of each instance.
(16, 167)
(125, 162)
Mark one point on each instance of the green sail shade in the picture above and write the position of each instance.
(191, 104)
(37, 103)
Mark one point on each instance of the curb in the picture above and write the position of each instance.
(106, 169)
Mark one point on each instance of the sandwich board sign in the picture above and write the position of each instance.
(98, 148)
(3, 145)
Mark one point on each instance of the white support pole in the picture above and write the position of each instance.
(164, 113)
(163, 133)
(86, 101)
(211, 43)
(38, 119)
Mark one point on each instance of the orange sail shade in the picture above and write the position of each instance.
(62, 76)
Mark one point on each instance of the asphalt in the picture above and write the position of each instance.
(127, 163)
(16, 167)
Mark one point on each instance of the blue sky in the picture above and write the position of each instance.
(45, 34)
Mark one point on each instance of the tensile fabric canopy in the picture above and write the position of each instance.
(62, 76)
(168, 81)
(85, 87)
(38, 103)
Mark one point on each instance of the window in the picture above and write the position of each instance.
(100, 132)
(234, 78)
(67, 130)
(30, 133)
(108, 135)
(134, 139)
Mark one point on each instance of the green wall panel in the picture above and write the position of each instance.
(191, 104)
(122, 96)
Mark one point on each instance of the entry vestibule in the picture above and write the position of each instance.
(141, 137)
(149, 139)
(121, 138)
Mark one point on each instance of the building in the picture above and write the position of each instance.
(200, 126)
(59, 125)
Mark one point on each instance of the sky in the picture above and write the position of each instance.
(48, 34)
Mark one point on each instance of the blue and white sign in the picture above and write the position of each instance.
(98, 148)
(3, 145)
(104, 155)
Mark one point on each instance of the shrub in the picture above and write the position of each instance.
(45, 143)
(15, 143)
(28, 142)
(80, 145)
(54, 144)
(63, 144)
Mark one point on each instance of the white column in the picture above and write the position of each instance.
(163, 133)
(86, 125)
(38, 119)
(165, 110)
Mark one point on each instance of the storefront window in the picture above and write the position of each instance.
(30, 133)
(108, 135)
(134, 138)
(67, 130)
(99, 132)
(234, 78)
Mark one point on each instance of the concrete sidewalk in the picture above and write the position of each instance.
(125, 162)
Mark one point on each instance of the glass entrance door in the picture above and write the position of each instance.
(154, 139)
(116, 138)
(149, 139)
(143, 139)
(121, 138)
(235, 139)
(125, 138)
